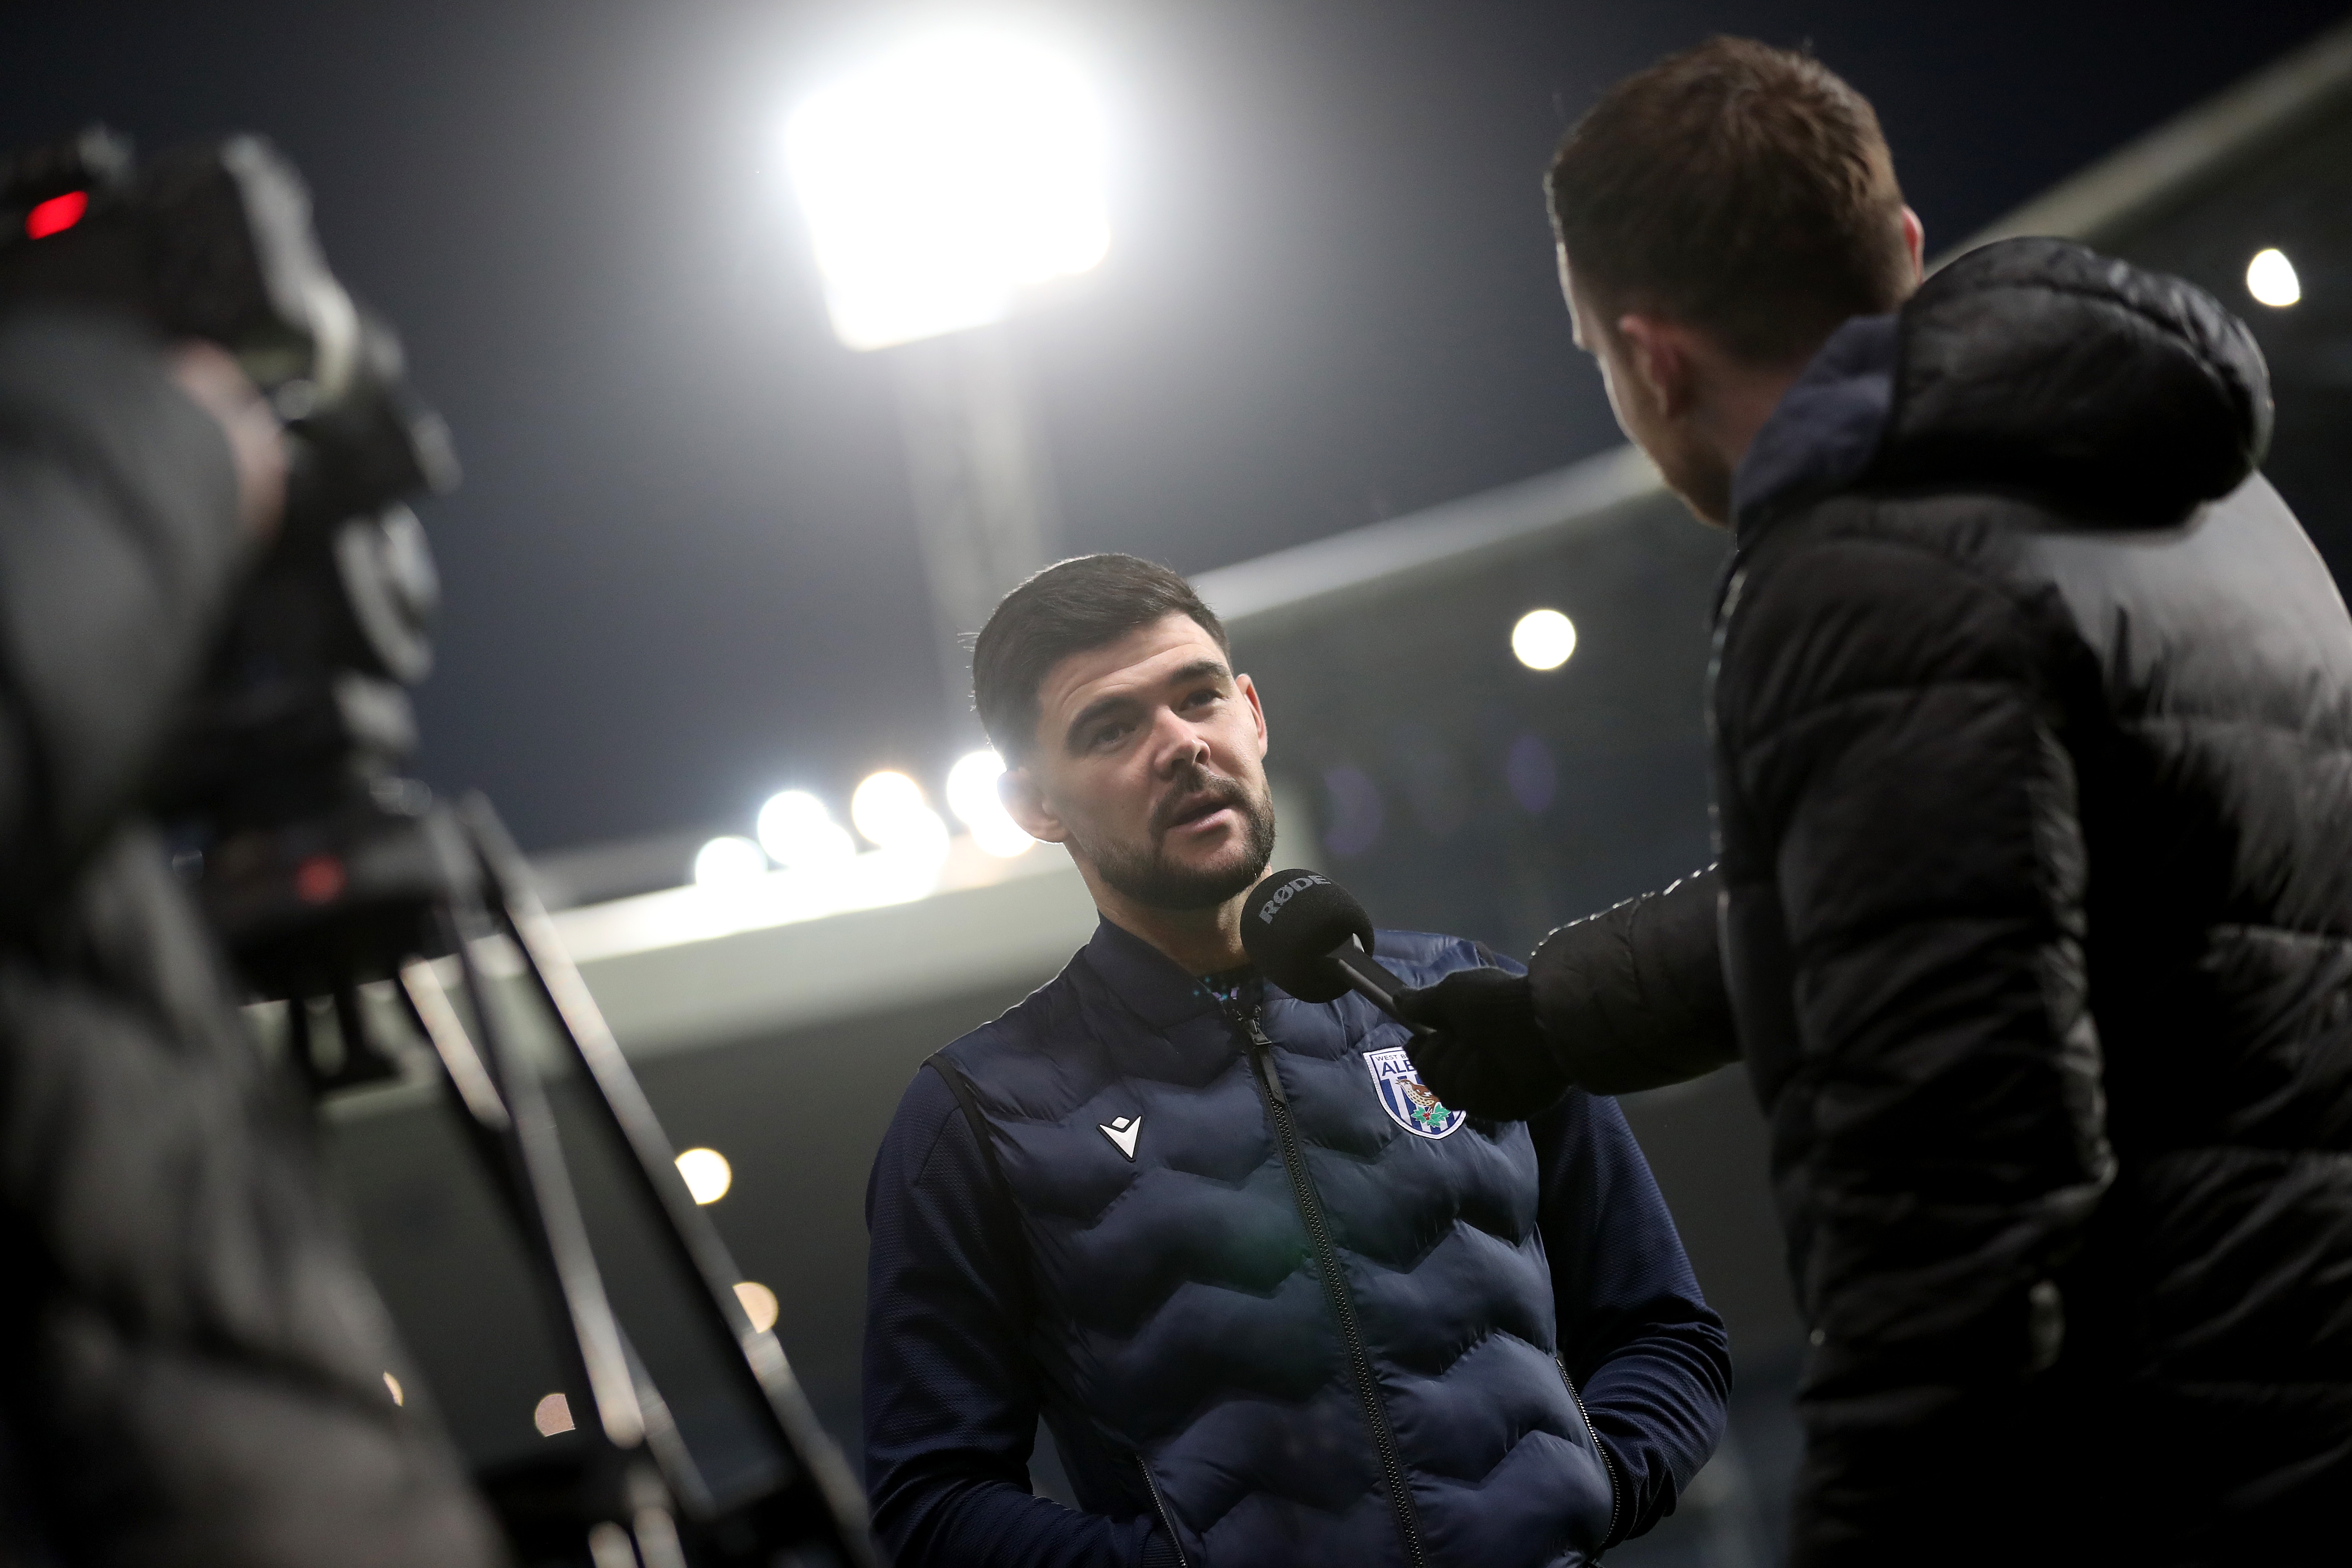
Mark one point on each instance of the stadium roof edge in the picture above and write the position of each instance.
(1458, 532)
(2180, 157)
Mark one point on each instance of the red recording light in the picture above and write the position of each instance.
(56, 215)
(320, 880)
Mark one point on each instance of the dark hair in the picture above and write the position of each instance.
(1073, 606)
(1741, 189)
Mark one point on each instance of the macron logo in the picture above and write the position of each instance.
(1122, 1132)
(1288, 892)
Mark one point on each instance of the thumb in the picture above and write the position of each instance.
(1418, 1005)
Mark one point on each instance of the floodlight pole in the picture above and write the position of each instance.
(982, 487)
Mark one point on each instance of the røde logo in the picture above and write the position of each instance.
(1288, 892)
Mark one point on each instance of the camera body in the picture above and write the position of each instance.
(283, 787)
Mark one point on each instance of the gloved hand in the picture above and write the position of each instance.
(1489, 1056)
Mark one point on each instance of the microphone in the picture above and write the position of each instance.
(1309, 935)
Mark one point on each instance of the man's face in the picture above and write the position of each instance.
(1646, 410)
(1149, 763)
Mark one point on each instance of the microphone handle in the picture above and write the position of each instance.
(1374, 984)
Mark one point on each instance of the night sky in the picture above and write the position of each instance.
(682, 571)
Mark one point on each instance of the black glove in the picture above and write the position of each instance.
(1489, 1056)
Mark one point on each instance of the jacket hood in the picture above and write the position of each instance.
(2035, 364)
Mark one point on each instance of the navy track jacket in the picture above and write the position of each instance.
(1276, 1303)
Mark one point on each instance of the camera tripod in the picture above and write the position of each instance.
(403, 891)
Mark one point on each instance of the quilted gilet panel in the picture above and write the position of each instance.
(1180, 1318)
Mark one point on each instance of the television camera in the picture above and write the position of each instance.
(329, 872)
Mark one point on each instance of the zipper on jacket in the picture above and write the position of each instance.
(1159, 1506)
(1335, 1287)
(1608, 1465)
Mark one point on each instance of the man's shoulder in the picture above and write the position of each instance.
(977, 1058)
(1859, 593)
(1028, 1026)
(1979, 531)
(1038, 1055)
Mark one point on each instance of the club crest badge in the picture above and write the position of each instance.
(1403, 1096)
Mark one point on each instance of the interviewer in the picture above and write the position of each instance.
(2033, 730)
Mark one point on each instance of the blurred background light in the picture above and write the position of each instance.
(890, 809)
(943, 177)
(399, 1396)
(708, 1175)
(1543, 639)
(973, 797)
(2271, 279)
(731, 861)
(1353, 814)
(1530, 772)
(759, 1304)
(795, 829)
(551, 1415)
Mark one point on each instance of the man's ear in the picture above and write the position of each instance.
(1658, 362)
(1915, 239)
(1025, 804)
(1248, 688)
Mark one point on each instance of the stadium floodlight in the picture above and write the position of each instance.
(796, 830)
(730, 861)
(943, 178)
(1543, 639)
(971, 796)
(2271, 279)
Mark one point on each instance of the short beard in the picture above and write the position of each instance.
(1142, 875)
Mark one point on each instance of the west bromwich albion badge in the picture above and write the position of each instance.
(1405, 1098)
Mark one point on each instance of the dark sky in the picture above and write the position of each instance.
(682, 571)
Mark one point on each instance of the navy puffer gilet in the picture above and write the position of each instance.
(1200, 1367)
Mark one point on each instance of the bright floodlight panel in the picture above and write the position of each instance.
(943, 178)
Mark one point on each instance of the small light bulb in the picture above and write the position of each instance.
(708, 1175)
(972, 785)
(971, 796)
(2271, 279)
(795, 829)
(729, 862)
(1543, 639)
(890, 809)
(759, 1304)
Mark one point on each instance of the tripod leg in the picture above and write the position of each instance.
(430, 1008)
(485, 1115)
(534, 1158)
(608, 1547)
(298, 1043)
(694, 1240)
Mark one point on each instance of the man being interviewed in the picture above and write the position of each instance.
(1269, 1318)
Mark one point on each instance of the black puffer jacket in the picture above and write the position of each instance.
(191, 1362)
(2032, 709)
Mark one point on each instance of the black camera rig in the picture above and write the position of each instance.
(327, 870)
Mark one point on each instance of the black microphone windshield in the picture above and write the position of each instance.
(1290, 926)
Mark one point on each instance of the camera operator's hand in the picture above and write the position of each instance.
(212, 378)
(1490, 1056)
